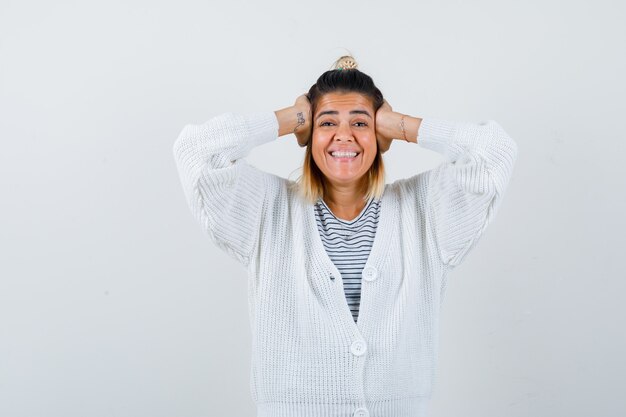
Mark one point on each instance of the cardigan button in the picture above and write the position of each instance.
(358, 347)
(369, 273)
(361, 412)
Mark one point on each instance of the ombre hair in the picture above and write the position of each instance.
(311, 185)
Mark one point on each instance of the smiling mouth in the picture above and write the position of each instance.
(344, 156)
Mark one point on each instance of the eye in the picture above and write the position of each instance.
(362, 124)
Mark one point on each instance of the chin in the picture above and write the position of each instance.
(338, 179)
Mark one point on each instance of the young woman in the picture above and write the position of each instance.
(346, 273)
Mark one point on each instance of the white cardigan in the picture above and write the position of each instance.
(309, 357)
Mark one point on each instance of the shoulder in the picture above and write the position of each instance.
(408, 187)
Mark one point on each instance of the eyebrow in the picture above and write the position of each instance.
(336, 112)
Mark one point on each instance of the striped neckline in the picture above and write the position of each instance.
(321, 202)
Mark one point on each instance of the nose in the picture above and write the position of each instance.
(343, 132)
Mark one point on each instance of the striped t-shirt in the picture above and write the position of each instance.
(348, 244)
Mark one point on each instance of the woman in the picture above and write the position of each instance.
(325, 343)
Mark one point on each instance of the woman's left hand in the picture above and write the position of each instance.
(384, 119)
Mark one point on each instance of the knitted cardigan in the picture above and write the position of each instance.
(309, 357)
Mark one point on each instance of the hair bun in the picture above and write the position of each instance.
(346, 62)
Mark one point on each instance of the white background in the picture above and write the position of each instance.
(114, 303)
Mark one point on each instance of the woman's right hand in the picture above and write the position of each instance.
(304, 128)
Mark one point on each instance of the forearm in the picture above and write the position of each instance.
(289, 119)
(221, 140)
(393, 127)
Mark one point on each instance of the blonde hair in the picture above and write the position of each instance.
(344, 78)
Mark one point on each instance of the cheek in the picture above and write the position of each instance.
(372, 145)
(317, 158)
(318, 145)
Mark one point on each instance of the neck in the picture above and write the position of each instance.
(346, 202)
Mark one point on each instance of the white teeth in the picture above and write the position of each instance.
(337, 154)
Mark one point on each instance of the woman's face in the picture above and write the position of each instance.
(344, 122)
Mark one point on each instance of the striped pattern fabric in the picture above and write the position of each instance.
(348, 244)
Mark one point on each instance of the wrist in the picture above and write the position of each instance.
(391, 125)
(407, 127)
(291, 120)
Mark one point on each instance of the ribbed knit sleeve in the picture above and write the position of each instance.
(465, 191)
(224, 192)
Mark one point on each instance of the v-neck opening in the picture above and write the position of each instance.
(353, 221)
(377, 252)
